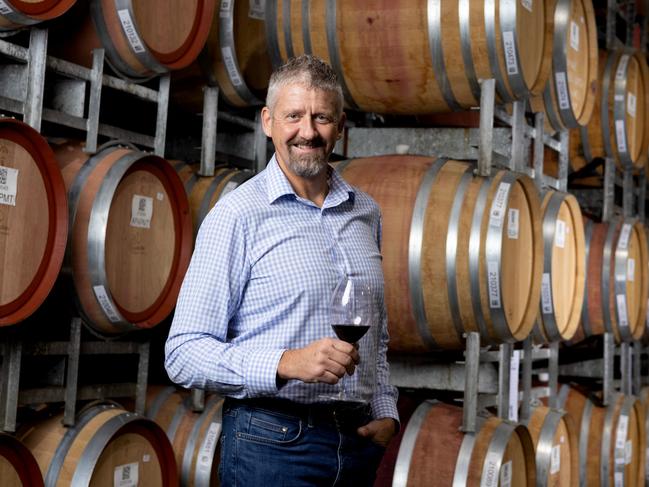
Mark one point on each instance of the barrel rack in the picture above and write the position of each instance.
(22, 93)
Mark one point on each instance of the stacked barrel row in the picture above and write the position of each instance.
(124, 214)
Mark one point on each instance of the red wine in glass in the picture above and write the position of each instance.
(350, 333)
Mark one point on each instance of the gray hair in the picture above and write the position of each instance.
(307, 70)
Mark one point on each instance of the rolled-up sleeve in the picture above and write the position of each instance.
(197, 352)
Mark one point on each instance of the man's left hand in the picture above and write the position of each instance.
(380, 431)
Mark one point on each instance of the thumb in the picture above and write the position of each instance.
(364, 431)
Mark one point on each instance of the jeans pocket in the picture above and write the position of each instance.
(264, 426)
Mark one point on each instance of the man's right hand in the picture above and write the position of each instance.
(325, 360)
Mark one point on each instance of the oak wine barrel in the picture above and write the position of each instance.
(644, 398)
(194, 436)
(18, 468)
(461, 253)
(612, 439)
(417, 57)
(141, 38)
(432, 451)
(235, 58)
(557, 447)
(569, 95)
(130, 235)
(204, 191)
(33, 221)
(106, 442)
(16, 14)
(618, 128)
(564, 262)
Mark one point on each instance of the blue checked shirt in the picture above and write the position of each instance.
(264, 268)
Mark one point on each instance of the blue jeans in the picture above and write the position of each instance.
(267, 448)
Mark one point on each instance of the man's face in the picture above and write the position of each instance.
(304, 126)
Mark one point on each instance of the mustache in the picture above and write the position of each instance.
(315, 142)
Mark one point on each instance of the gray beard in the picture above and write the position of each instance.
(307, 167)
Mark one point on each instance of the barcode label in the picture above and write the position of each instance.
(555, 459)
(527, 4)
(490, 477)
(497, 213)
(510, 52)
(574, 35)
(560, 234)
(106, 304)
(630, 270)
(546, 294)
(631, 104)
(257, 10)
(141, 211)
(126, 475)
(628, 452)
(8, 185)
(208, 447)
(625, 233)
(5, 9)
(226, 9)
(621, 312)
(130, 31)
(620, 73)
(493, 281)
(512, 223)
(622, 429)
(514, 367)
(562, 90)
(620, 135)
(230, 66)
(506, 475)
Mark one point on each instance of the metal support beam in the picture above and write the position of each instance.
(628, 195)
(472, 363)
(626, 369)
(609, 189)
(527, 380)
(539, 120)
(563, 161)
(609, 360)
(553, 372)
(503, 379)
(637, 368)
(94, 105)
(37, 55)
(71, 381)
(210, 123)
(198, 400)
(642, 194)
(518, 161)
(142, 378)
(11, 360)
(487, 100)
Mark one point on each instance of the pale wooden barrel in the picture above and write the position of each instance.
(618, 128)
(432, 451)
(235, 58)
(417, 57)
(569, 96)
(130, 237)
(644, 397)
(20, 13)
(204, 191)
(612, 440)
(142, 38)
(33, 221)
(195, 437)
(564, 263)
(461, 253)
(18, 468)
(556, 444)
(105, 443)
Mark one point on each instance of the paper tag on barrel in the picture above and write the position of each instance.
(506, 475)
(574, 35)
(623, 242)
(622, 428)
(141, 211)
(619, 479)
(8, 185)
(230, 66)
(496, 220)
(546, 294)
(257, 10)
(631, 104)
(206, 453)
(560, 234)
(510, 52)
(555, 459)
(5, 9)
(130, 31)
(513, 224)
(490, 470)
(621, 311)
(106, 304)
(126, 475)
(630, 270)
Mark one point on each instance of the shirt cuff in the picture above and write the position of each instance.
(261, 371)
(385, 407)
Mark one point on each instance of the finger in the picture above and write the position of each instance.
(329, 378)
(343, 347)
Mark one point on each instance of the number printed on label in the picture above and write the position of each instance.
(555, 459)
(622, 429)
(546, 294)
(490, 471)
(631, 104)
(206, 452)
(625, 233)
(106, 304)
(141, 211)
(230, 66)
(226, 8)
(506, 475)
(574, 35)
(5, 9)
(8, 185)
(126, 475)
(510, 52)
(620, 135)
(560, 234)
(493, 283)
(130, 30)
(621, 313)
(497, 213)
(562, 90)
(512, 224)
(619, 479)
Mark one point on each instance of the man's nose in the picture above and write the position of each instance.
(307, 128)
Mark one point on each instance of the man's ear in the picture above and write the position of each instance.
(266, 121)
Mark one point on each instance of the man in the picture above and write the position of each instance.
(252, 317)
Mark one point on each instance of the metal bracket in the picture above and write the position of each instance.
(210, 124)
(609, 361)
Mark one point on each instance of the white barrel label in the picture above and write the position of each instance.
(497, 213)
(621, 313)
(546, 294)
(620, 135)
(631, 104)
(510, 52)
(8, 185)
(513, 223)
(130, 31)
(141, 211)
(257, 9)
(628, 452)
(226, 9)
(621, 67)
(560, 234)
(5, 9)
(630, 270)
(574, 35)
(206, 452)
(622, 429)
(493, 283)
(490, 471)
(106, 304)
(555, 459)
(126, 475)
(506, 475)
(562, 90)
(230, 66)
(625, 233)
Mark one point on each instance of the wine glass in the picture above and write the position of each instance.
(351, 312)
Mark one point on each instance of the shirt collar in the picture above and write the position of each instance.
(278, 186)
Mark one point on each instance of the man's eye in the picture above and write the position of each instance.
(292, 116)
(323, 119)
